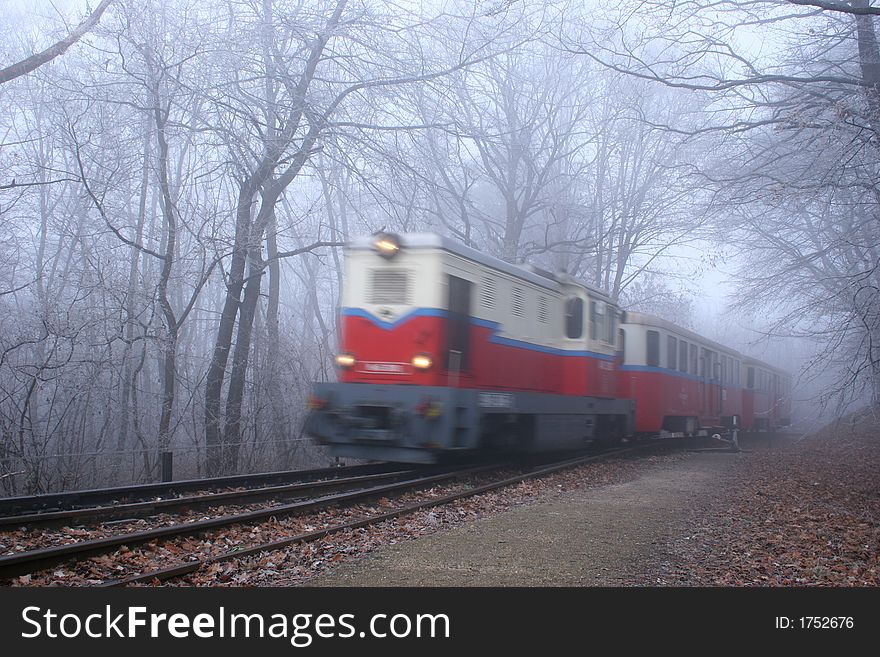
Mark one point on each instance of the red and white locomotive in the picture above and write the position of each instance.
(447, 350)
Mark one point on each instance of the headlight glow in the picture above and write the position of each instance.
(387, 244)
(422, 361)
(345, 360)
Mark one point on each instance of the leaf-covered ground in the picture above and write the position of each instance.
(806, 514)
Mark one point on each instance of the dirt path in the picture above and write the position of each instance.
(611, 535)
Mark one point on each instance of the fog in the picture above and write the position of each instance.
(176, 187)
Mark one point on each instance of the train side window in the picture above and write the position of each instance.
(683, 357)
(609, 315)
(574, 317)
(750, 377)
(694, 359)
(671, 352)
(653, 349)
(707, 358)
(724, 370)
(736, 369)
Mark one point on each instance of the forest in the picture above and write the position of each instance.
(178, 179)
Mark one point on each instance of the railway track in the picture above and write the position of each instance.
(29, 561)
(397, 488)
(53, 502)
(132, 510)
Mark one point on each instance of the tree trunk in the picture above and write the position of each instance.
(169, 340)
(248, 234)
(223, 344)
(127, 378)
(238, 374)
(278, 415)
(869, 60)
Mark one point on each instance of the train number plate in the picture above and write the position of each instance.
(374, 367)
(495, 400)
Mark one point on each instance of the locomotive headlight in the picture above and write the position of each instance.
(422, 361)
(345, 360)
(387, 244)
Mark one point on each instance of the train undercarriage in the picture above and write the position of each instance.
(425, 424)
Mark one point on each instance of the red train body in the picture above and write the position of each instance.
(494, 363)
(444, 349)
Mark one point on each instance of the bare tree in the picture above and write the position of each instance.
(299, 106)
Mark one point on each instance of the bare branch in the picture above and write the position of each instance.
(305, 249)
(860, 9)
(35, 61)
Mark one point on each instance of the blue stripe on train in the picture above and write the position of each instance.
(387, 326)
(669, 372)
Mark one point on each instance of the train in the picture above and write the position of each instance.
(446, 352)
